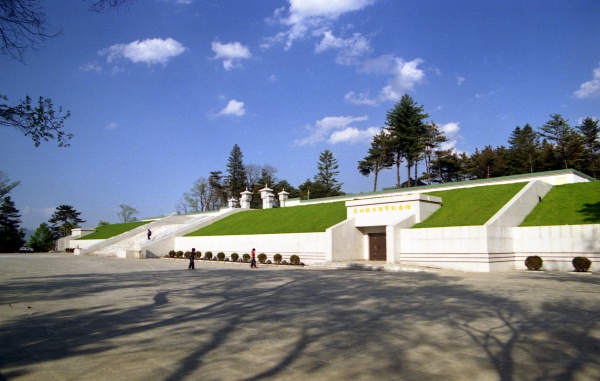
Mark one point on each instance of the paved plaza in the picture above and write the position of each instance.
(65, 317)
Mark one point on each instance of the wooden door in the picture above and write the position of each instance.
(377, 249)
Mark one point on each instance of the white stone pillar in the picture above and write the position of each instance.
(267, 196)
(283, 195)
(245, 199)
(232, 202)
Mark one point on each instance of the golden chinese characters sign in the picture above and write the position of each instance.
(398, 207)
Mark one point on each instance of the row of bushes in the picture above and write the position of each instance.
(235, 257)
(535, 263)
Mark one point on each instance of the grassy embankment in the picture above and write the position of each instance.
(109, 231)
(569, 204)
(470, 206)
(297, 219)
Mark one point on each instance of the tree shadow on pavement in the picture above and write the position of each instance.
(254, 325)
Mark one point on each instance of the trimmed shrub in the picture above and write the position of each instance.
(208, 255)
(284, 262)
(534, 263)
(234, 257)
(246, 257)
(269, 262)
(172, 254)
(187, 254)
(179, 254)
(277, 258)
(221, 256)
(262, 258)
(295, 260)
(581, 264)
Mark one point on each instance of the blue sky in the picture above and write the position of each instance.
(161, 90)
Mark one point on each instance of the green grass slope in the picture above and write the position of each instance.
(470, 206)
(109, 231)
(297, 219)
(569, 204)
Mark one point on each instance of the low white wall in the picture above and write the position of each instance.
(557, 245)
(84, 243)
(345, 242)
(460, 248)
(500, 248)
(310, 247)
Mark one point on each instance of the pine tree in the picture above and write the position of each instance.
(524, 150)
(43, 239)
(591, 140)
(433, 139)
(407, 130)
(326, 183)
(558, 132)
(11, 236)
(64, 219)
(379, 157)
(236, 178)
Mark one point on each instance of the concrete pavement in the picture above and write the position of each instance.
(65, 317)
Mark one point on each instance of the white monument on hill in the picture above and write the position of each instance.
(267, 196)
(245, 199)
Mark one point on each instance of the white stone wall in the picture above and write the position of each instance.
(515, 211)
(557, 245)
(85, 243)
(394, 238)
(345, 242)
(459, 248)
(310, 247)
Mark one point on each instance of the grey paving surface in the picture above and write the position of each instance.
(64, 317)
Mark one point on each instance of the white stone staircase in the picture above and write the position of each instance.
(161, 229)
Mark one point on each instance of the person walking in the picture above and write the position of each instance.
(149, 234)
(192, 257)
(253, 260)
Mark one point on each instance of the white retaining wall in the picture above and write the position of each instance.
(345, 242)
(557, 245)
(310, 247)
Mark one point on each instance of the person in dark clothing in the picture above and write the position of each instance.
(253, 261)
(149, 234)
(192, 257)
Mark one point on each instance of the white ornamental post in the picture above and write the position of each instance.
(232, 202)
(245, 199)
(283, 195)
(267, 196)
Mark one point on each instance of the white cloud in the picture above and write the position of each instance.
(452, 132)
(590, 89)
(304, 16)
(150, 51)
(231, 53)
(353, 135)
(359, 99)
(405, 75)
(91, 66)
(460, 80)
(43, 212)
(349, 49)
(233, 108)
(112, 126)
(324, 128)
